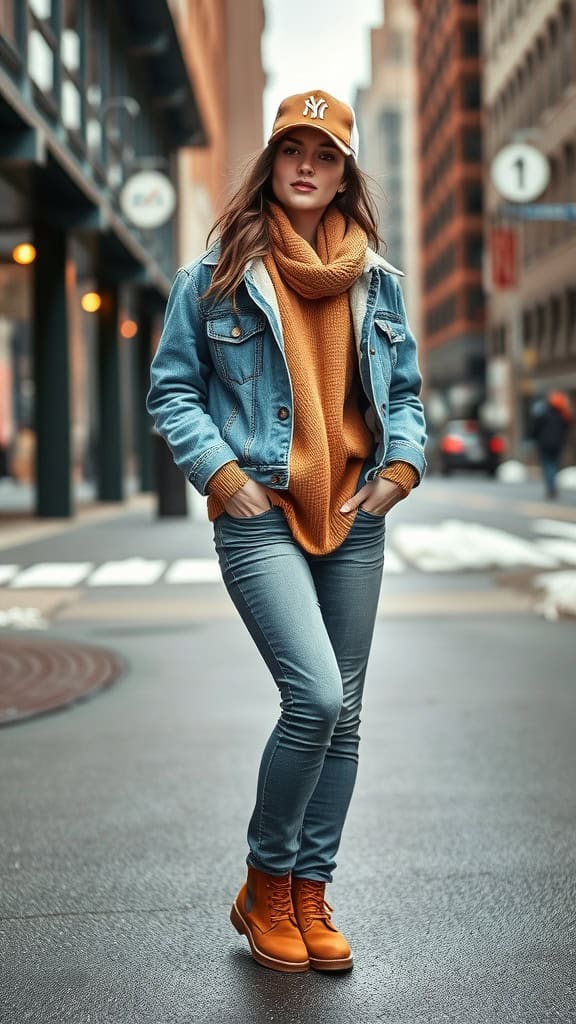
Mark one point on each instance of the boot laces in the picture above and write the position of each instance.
(313, 903)
(279, 899)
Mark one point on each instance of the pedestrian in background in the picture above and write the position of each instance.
(287, 387)
(551, 419)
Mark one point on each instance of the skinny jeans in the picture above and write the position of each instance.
(312, 619)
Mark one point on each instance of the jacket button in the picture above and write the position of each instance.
(372, 351)
(275, 479)
(283, 413)
(236, 332)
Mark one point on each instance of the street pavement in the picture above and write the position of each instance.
(123, 818)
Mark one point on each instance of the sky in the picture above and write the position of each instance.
(316, 44)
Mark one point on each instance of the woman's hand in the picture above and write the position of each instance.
(250, 500)
(376, 497)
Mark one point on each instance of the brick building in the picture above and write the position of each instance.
(451, 226)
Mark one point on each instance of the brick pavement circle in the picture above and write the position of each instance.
(37, 676)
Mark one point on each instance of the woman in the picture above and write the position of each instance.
(286, 385)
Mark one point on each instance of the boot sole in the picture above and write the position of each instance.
(286, 966)
(332, 965)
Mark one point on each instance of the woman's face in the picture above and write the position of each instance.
(307, 172)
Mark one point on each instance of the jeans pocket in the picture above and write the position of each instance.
(251, 519)
(372, 515)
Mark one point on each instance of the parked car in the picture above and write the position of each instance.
(465, 445)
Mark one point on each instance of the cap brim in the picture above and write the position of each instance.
(298, 124)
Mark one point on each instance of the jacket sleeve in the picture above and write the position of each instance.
(178, 395)
(407, 427)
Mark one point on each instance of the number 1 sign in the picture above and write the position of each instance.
(520, 172)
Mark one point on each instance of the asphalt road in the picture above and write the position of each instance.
(123, 818)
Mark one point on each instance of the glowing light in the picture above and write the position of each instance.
(128, 328)
(24, 253)
(91, 302)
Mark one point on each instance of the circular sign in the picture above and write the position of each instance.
(520, 172)
(148, 199)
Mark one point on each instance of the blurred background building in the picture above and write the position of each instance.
(387, 122)
(450, 176)
(492, 297)
(221, 40)
(93, 93)
(529, 95)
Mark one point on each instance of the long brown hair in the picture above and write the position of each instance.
(243, 227)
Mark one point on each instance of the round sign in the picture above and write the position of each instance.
(520, 172)
(148, 199)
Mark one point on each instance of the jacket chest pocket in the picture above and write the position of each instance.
(389, 336)
(236, 344)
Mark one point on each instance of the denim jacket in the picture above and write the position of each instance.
(221, 389)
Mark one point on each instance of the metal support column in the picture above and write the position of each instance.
(52, 375)
(110, 460)
(143, 424)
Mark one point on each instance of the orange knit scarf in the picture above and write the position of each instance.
(341, 245)
(330, 439)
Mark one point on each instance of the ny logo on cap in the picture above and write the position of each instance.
(316, 108)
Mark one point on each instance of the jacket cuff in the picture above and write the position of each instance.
(226, 481)
(401, 473)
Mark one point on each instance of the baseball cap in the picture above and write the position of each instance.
(320, 110)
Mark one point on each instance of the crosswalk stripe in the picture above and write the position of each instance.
(193, 570)
(128, 573)
(52, 574)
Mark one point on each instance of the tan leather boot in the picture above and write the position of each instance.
(327, 947)
(263, 912)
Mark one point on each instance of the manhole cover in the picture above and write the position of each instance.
(39, 676)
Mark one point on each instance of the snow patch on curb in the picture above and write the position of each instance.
(566, 478)
(559, 594)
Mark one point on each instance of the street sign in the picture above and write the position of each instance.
(503, 257)
(540, 211)
(520, 172)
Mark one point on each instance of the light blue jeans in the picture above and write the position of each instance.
(312, 619)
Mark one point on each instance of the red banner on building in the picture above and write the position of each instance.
(503, 253)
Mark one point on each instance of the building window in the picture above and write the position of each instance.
(471, 145)
(471, 93)
(473, 249)
(70, 39)
(71, 53)
(40, 62)
(571, 319)
(472, 197)
(470, 42)
(556, 339)
(474, 304)
(566, 46)
(41, 8)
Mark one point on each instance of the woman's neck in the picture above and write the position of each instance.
(305, 224)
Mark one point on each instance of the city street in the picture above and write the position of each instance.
(124, 816)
